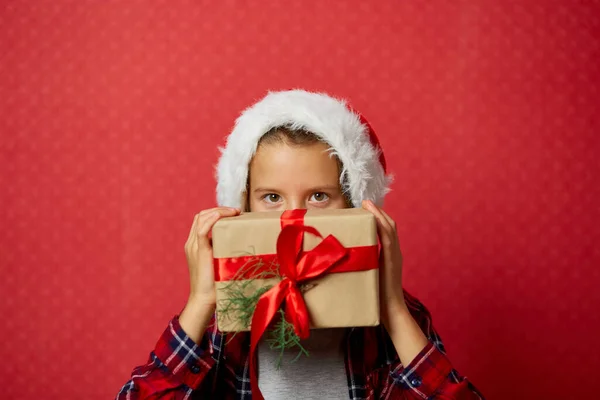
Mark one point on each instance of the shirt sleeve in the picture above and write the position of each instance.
(175, 368)
(430, 375)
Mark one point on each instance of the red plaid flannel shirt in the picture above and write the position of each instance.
(218, 367)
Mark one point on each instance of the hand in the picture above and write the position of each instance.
(405, 333)
(198, 251)
(391, 293)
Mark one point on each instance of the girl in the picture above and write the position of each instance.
(300, 150)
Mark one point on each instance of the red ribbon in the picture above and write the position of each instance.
(359, 258)
(292, 217)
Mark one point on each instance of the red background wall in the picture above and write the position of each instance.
(110, 117)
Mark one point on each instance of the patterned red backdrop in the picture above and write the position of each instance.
(111, 113)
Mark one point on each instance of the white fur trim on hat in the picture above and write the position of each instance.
(362, 177)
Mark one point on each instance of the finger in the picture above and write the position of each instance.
(193, 228)
(221, 211)
(205, 225)
(203, 215)
(389, 219)
(393, 226)
(207, 222)
(381, 219)
(210, 210)
(386, 231)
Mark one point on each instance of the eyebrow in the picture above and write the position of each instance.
(327, 188)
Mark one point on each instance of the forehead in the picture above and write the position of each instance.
(281, 165)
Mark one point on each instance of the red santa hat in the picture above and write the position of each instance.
(352, 140)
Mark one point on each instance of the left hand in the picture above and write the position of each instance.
(391, 295)
(407, 336)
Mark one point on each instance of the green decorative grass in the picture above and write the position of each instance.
(282, 337)
(240, 302)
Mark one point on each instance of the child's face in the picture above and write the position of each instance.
(284, 177)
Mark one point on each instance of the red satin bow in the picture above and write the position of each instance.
(295, 266)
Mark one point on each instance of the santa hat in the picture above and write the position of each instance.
(352, 140)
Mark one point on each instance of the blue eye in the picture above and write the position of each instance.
(319, 197)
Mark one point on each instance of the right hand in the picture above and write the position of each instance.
(198, 251)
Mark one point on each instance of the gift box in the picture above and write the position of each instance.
(249, 249)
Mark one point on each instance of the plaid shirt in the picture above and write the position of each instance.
(178, 368)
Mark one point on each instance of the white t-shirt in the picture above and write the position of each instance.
(321, 375)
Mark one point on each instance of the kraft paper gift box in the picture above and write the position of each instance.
(339, 299)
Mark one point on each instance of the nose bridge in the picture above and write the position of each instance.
(296, 203)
